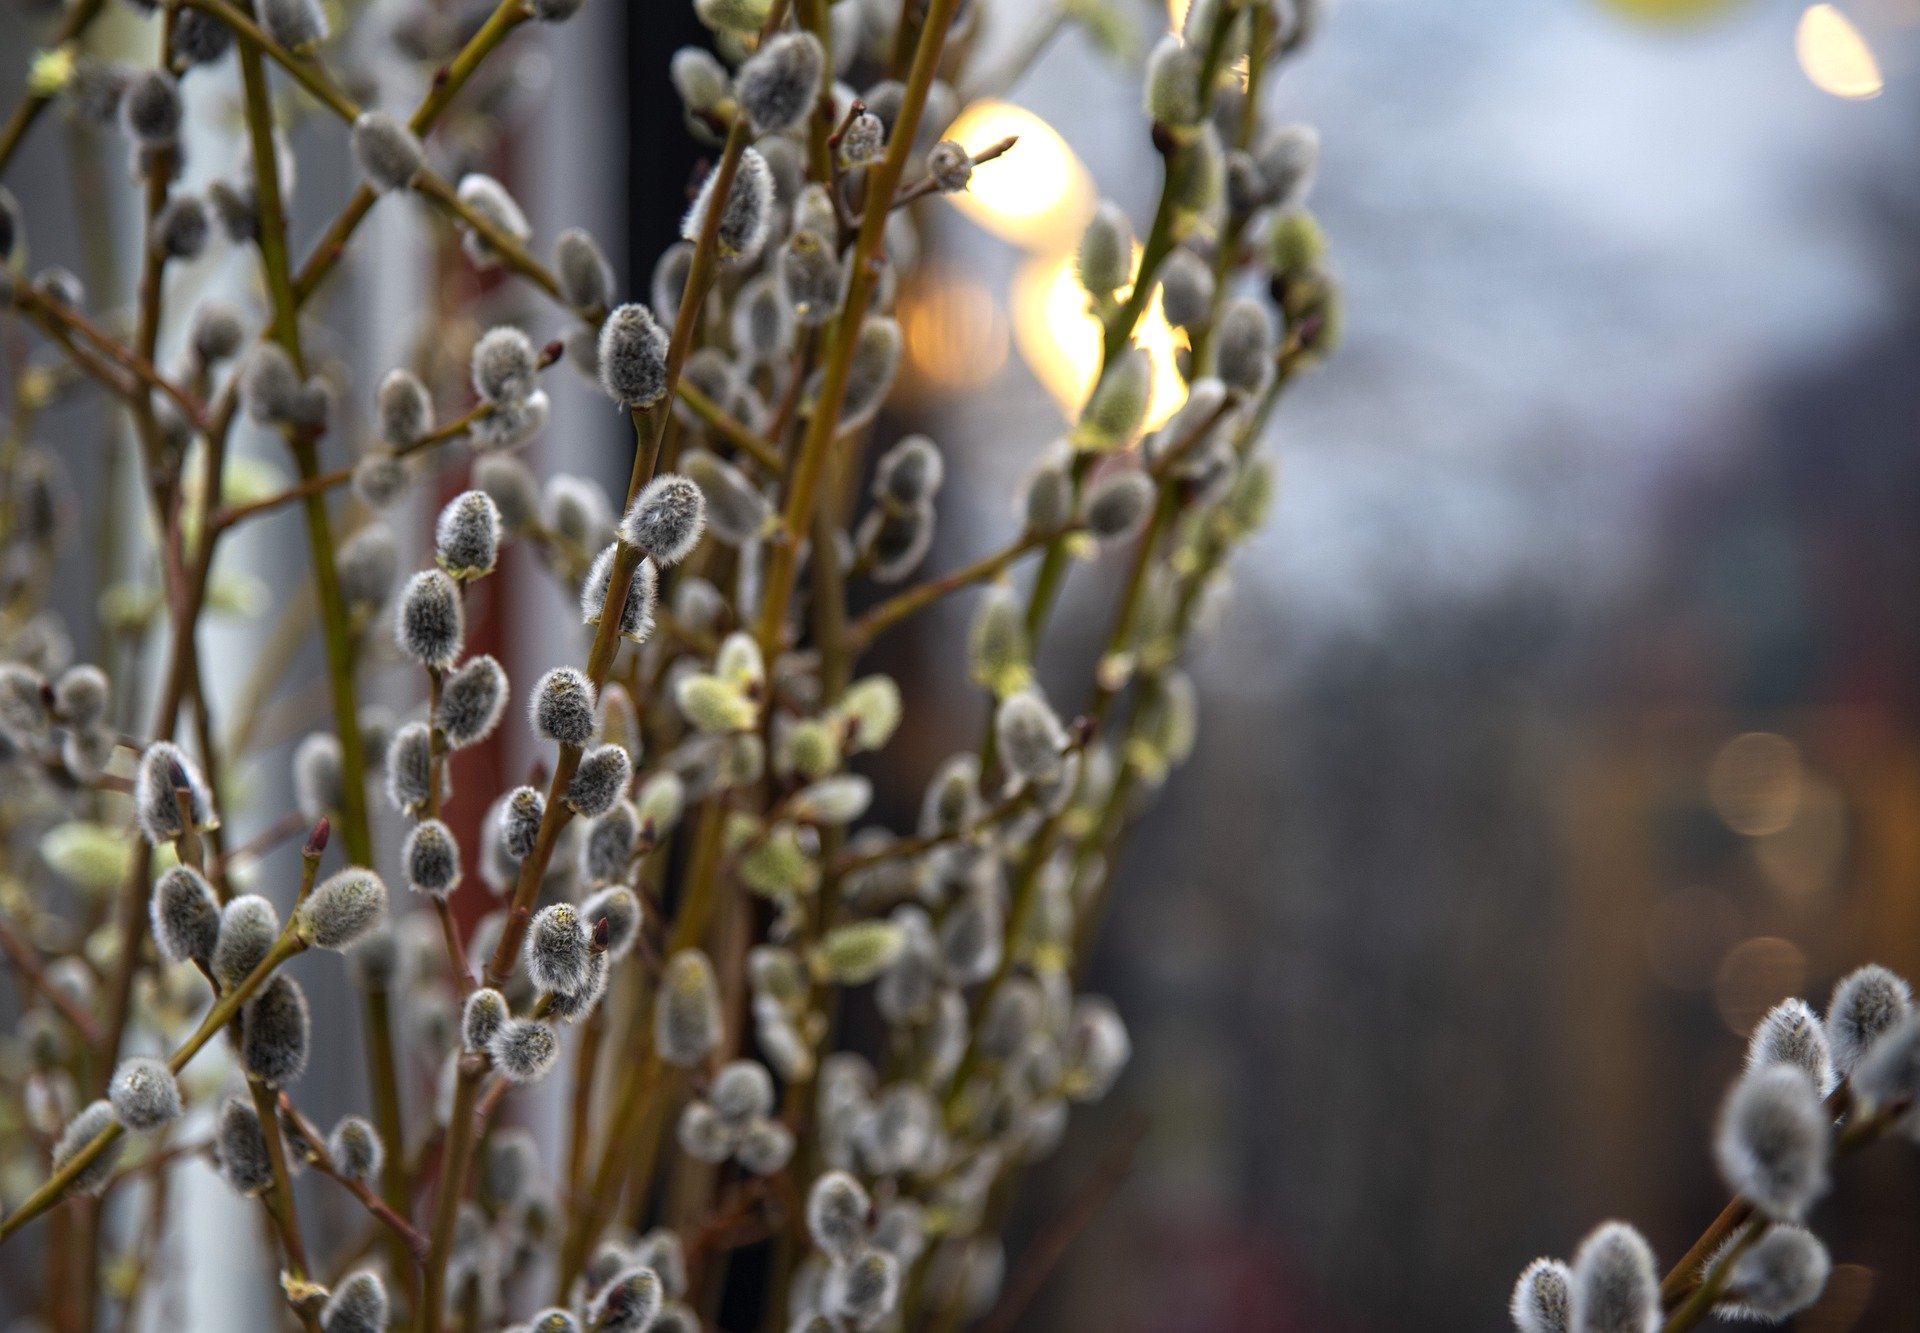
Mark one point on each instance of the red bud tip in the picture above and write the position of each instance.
(317, 840)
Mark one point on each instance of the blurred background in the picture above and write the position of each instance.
(1566, 717)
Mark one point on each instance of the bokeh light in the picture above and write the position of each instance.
(1059, 338)
(956, 333)
(1039, 195)
(1802, 861)
(1834, 56)
(1755, 782)
(1755, 975)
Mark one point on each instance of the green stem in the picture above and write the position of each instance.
(217, 1017)
(882, 182)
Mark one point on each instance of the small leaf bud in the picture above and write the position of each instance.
(505, 365)
(1117, 504)
(241, 1148)
(431, 858)
(83, 1129)
(276, 1031)
(186, 915)
(636, 622)
(358, 1305)
(144, 1094)
(557, 949)
(485, 1013)
(1106, 251)
(1186, 289)
(298, 25)
(666, 519)
(410, 767)
(343, 910)
(150, 108)
(837, 1213)
(248, 925)
(1174, 96)
(699, 78)
(472, 700)
(876, 359)
(430, 623)
(524, 1049)
(747, 216)
(1543, 1298)
(998, 655)
(388, 154)
(467, 535)
(687, 1018)
(563, 704)
(356, 1148)
(1615, 1287)
(1119, 402)
(405, 408)
(1243, 350)
(1772, 1143)
(1867, 1003)
(779, 83)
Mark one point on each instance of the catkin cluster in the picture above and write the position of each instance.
(780, 1025)
(1815, 1088)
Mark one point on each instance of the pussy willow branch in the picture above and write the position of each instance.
(649, 434)
(911, 601)
(217, 1017)
(864, 277)
(337, 627)
(80, 13)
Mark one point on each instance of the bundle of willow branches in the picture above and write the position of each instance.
(1814, 1089)
(684, 905)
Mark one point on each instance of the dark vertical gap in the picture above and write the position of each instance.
(661, 156)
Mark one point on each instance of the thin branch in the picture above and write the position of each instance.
(1053, 1242)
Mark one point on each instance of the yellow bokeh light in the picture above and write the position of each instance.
(1059, 338)
(1177, 13)
(1668, 13)
(1038, 195)
(1834, 56)
(955, 332)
